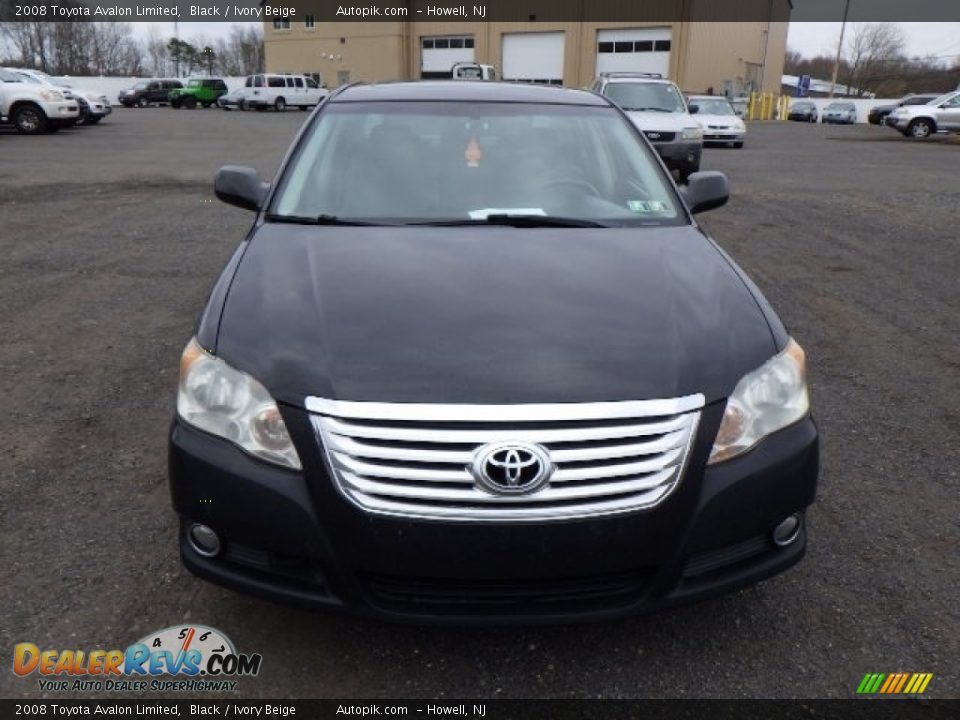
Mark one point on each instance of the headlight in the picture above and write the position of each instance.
(692, 133)
(739, 124)
(230, 404)
(51, 95)
(765, 400)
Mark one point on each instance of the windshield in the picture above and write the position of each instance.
(657, 97)
(712, 106)
(10, 77)
(407, 162)
(31, 79)
(142, 85)
(839, 106)
(193, 83)
(943, 98)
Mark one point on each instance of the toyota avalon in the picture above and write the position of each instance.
(475, 361)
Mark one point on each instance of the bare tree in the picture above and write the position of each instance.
(873, 49)
(155, 54)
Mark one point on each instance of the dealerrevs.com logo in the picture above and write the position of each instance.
(182, 657)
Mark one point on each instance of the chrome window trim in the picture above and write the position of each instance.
(503, 413)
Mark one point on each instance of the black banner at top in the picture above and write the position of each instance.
(479, 10)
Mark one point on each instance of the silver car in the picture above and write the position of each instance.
(921, 121)
(844, 113)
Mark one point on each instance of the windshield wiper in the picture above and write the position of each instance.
(648, 109)
(315, 220)
(520, 221)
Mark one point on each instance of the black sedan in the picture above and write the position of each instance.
(475, 361)
(803, 111)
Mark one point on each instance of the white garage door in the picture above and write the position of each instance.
(634, 50)
(438, 54)
(533, 57)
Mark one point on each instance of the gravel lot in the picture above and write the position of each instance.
(110, 240)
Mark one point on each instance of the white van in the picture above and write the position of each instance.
(472, 71)
(278, 91)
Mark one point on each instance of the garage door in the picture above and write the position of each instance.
(438, 54)
(634, 50)
(533, 57)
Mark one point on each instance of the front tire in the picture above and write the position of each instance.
(176, 103)
(29, 120)
(280, 104)
(190, 102)
(143, 102)
(921, 128)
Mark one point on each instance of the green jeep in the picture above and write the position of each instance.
(198, 90)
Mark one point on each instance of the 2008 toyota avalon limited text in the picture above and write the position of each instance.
(476, 362)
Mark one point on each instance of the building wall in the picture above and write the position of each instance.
(369, 51)
(703, 54)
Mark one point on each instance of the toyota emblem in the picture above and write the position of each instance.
(512, 468)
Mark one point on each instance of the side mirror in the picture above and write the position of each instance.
(705, 191)
(694, 109)
(240, 186)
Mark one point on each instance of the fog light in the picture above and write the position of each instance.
(787, 531)
(203, 540)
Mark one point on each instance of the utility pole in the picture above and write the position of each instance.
(836, 63)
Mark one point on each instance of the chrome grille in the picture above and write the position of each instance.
(414, 460)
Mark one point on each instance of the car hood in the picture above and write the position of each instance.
(490, 315)
(661, 121)
(717, 120)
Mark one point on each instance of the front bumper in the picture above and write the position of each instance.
(293, 537)
(61, 109)
(680, 155)
(724, 135)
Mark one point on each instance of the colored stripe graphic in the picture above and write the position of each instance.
(894, 683)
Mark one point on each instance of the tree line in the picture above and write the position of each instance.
(873, 61)
(112, 48)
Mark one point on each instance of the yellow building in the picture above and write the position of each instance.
(728, 57)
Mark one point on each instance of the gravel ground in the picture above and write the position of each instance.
(111, 239)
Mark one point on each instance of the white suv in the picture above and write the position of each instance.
(34, 108)
(279, 91)
(657, 107)
(93, 106)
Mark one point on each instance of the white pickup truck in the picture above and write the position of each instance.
(33, 108)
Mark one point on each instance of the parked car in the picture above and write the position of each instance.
(719, 121)
(658, 108)
(149, 92)
(280, 91)
(475, 361)
(234, 99)
(94, 106)
(843, 113)
(878, 114)
(803, 111)
(941, 115)
(203, 91)
(33, 107)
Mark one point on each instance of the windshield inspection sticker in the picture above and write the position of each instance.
(647, 207)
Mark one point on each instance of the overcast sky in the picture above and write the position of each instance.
(810, 38)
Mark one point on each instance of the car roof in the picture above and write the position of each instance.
(636, 79)
(708, 97)
(467, 91)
